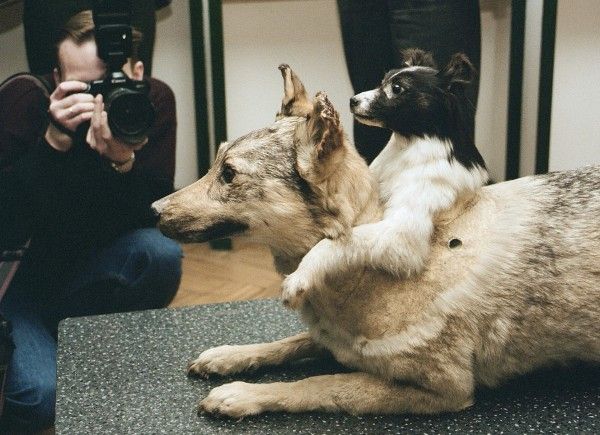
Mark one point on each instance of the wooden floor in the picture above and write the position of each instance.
(210, 276)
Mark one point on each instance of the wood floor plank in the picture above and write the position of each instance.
(210, 276)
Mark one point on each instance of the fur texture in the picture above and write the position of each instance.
(428, 165)
(511, 282)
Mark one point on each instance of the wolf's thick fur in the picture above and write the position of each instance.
(427, 166)
(511, 283)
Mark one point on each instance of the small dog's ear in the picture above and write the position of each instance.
(295, 101)
(324, 127)
(417, 57)
(459, 72)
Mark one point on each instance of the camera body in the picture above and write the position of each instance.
(126, 101)
(130, 112)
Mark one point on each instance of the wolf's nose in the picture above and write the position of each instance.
(354, 102)
(159, 206)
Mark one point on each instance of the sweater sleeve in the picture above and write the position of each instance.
(16, 220)
(23, 106)
(152, 176)
(71, 202)
(157, 158)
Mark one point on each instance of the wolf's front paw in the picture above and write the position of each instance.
(222, 360)
(294, 290)
(236, 400)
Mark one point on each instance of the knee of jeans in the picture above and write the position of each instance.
(165, 256)
(156, 267)
(33, 408)
(151, 251)
(43, 409)
(169, 265)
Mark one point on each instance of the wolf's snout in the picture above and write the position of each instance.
(159, 206)
(354, 102)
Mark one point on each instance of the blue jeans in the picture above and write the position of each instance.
(141, 270)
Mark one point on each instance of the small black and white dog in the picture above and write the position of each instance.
(428, 165)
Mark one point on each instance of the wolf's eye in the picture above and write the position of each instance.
(228, 174)
(396, 88)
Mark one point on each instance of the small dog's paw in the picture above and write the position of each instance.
(235, 400)
(222, 361)
(294, 290)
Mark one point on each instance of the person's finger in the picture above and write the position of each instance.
(78, 108)
(104, 128)
(73, 99)
(73, 111)
(97, 116)
(74, 122)
(72, 116)
(97, 130)
(62, 115)
(89, 138)
(140, 145)
(60, 112)
(68, 87)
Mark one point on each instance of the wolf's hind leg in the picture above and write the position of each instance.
(227, 360)
(354, 393)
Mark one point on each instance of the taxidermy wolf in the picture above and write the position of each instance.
(510, 281)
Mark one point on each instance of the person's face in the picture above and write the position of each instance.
(81, 62)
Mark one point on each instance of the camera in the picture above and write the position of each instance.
(130, 112)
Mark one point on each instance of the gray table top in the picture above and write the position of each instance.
(125, 373)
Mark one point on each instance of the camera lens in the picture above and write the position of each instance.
(130, 114)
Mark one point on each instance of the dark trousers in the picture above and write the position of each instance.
(140, 270)
(376, 31)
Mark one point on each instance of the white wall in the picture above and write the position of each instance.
(12, 45)
(259, 35)
(172, 64)
(575, 125)
(491, 118)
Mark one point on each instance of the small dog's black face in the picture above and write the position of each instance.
(415, 100)
(408, 102)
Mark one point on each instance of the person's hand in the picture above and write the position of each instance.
(100, 138)
(69, 107)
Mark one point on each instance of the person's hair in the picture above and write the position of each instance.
(80, 28)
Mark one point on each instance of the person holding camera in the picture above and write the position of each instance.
(77, 177)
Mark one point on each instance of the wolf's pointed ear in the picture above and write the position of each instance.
(295, 101)
(324, 127)
(459, 73)
(417, 57)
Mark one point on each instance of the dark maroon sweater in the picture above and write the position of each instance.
(70, 203)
